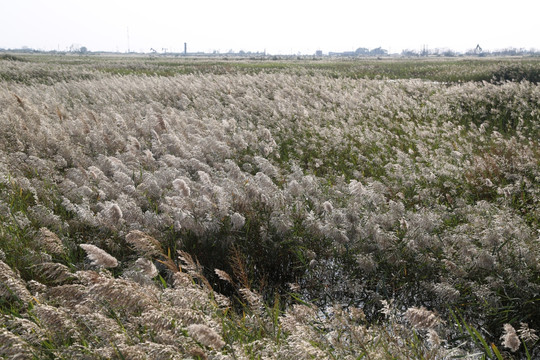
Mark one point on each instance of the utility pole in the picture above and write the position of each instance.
(128, 40)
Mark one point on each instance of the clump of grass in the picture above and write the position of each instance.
(517, 72)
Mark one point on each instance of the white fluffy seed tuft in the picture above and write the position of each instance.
(99, 257)
(206, 336)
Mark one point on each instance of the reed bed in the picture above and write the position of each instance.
(291, 211)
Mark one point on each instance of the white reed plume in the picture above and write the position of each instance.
(237, 221)
(223, 276)
(12, 346)
(254, 299)
(422, 318)
(12, 285)
(206, 336)
(327, 206)
(144, 244)
(181, 186)
(99, 257)
(527, 334)
(50, 242)
(433, 338)
(147, 267)
(510, 338)
(115, 213)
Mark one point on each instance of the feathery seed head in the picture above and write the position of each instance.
(144, 245)
(115, 213)
(327, 206)
(50, 242)
(527, 334)
(206, 336)
(422, 318)
(294, 188)
(223, 276)
(147, 267)
(12, 285)
(237, 221)
(433, 338)
(181, 186)
(254, 300)
(510, 338)
(99, 257)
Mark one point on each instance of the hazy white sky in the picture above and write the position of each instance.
(278, 26)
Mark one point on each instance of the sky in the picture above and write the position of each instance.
(277, 26)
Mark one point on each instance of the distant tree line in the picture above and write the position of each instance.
(360, 52)
(478, 51)
(438, 52)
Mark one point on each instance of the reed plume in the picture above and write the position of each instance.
(99, 257)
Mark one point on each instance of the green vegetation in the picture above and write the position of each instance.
(436, 69)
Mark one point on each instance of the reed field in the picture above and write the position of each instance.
(184, 208)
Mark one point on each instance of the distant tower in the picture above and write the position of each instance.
(185, 48)
(129, 50)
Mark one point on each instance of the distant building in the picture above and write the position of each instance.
(342, 54)
(318, 53)
(360, 52)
